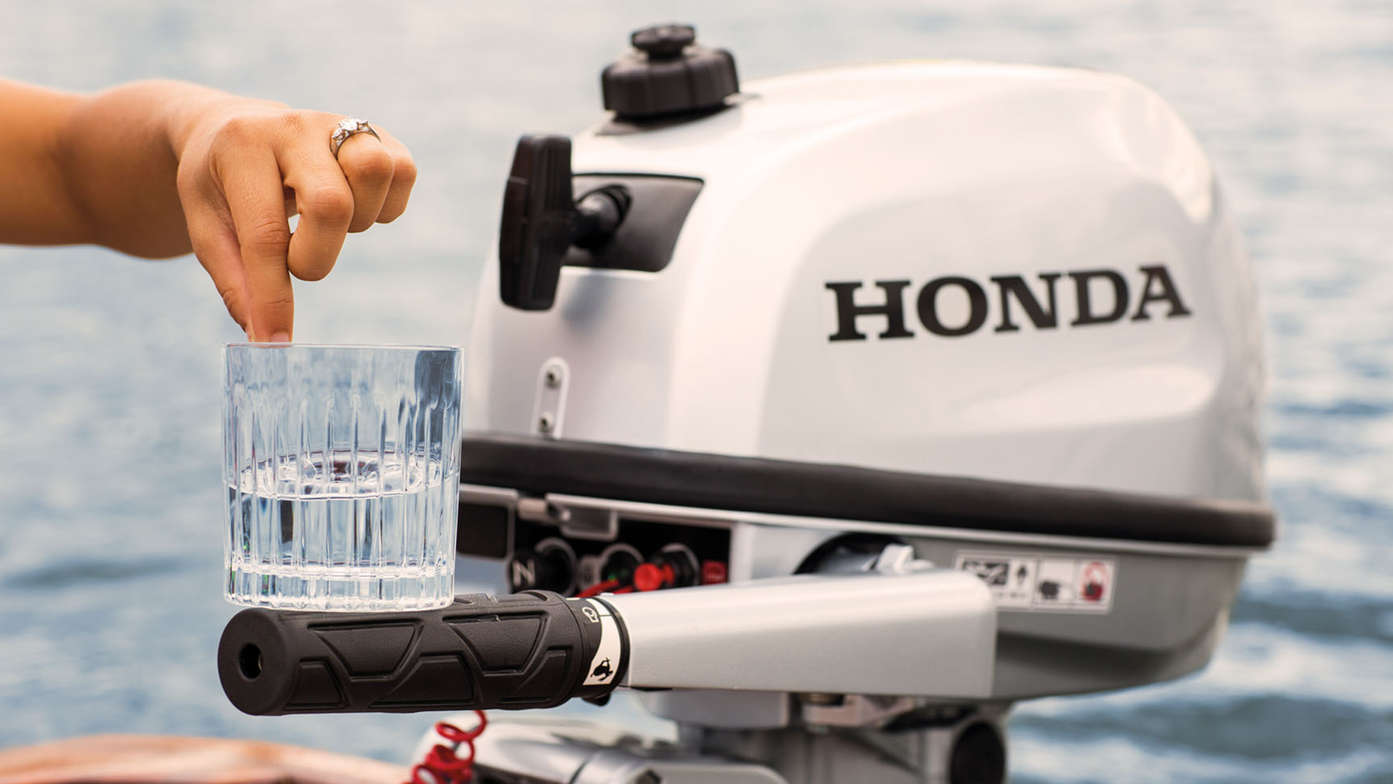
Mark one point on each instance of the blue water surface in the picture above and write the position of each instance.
(110, 606)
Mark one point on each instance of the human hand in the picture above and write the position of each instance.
(245, 166)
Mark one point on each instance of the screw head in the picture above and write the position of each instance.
(553, 377)
(545, 423)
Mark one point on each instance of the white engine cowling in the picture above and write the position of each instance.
(996, 271)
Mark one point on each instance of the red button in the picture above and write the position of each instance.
(648, 577)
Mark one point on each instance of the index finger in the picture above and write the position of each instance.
(255, 196)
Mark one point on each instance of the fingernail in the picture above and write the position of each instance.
(280, 337)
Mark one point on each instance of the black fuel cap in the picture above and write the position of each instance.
(666, 74)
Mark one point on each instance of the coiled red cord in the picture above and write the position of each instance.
(443, 762)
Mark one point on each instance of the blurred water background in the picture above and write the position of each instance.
(110, 554)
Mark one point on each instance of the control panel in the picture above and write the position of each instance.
(623, 555)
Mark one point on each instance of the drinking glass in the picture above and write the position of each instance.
(342, 473)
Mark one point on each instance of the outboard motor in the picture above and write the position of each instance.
(833, 413)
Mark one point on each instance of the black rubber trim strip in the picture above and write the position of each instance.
(788, 487)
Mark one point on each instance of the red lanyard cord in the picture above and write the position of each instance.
(443, 762)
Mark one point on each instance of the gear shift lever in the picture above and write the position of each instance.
(541, 222)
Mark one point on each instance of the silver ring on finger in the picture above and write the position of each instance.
(347, 127)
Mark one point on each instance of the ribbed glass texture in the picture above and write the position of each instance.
(342, 473)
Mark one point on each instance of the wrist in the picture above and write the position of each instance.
(119, 153)
(181, 106)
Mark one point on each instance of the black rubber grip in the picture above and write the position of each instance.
(529, 650)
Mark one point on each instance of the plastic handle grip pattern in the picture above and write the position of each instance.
(528, 650)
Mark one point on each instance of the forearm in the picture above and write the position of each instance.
(35, 206)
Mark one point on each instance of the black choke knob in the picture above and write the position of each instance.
(668, 75)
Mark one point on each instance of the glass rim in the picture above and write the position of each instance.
(344, 346)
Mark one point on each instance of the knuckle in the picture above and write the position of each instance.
(277, 302)
(268, 236)
(373, 162)
(294, 122)
(235, 303)
(231, 299)
(235, 131)
(405, 170)
(331, 204)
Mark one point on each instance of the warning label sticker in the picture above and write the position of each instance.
(1044, 582)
